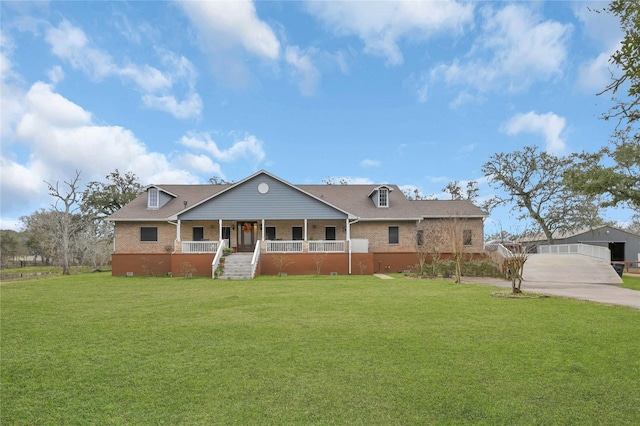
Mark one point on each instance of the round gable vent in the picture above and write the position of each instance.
(263, 188)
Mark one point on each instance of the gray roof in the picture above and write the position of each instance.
(192, 194)
(353, 199)
(562, 235)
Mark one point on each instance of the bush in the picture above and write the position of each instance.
(481, 268)
(475, 268)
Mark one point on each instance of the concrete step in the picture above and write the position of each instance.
(237, 266)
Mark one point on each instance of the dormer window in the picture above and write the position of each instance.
(383, 197)
(380, 196)
(153, 199)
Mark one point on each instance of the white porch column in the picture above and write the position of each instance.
(305, 230)
(219, 229)
(178, 231)
(263, 230)
(349, 242)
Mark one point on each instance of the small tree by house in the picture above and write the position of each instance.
(281, 262)
(457, 237)
(319, 259)
(514, 267)
(429, 244)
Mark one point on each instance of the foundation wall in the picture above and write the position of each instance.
(310, 264)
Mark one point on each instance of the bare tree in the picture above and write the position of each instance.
(281, 262)
(430, 242)
(458, 193)
(416, 194)
(319, 259)
(67, 221)
(456, 236)
(514, 266)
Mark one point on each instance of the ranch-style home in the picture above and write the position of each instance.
(265, 225)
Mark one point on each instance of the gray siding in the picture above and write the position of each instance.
(244, 202)
(605, 235)
(164, 198)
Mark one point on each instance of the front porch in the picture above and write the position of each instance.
(275, 236)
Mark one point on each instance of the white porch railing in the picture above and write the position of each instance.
(327, 246)
(255, 259)
(199, 246)
(284, 246)
(217, 257)
(297, 246)
(585, 249)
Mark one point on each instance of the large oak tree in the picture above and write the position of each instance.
(614, 171)
(533, 184)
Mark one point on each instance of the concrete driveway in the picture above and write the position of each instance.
(572, 275)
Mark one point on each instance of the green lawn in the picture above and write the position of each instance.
(631, 281)
(96, 349)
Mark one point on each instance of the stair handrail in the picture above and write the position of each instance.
(216, 259)
(254, 259)
(504, 252)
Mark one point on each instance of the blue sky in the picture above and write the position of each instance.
(413, 93)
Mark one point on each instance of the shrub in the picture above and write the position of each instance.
(481, 268)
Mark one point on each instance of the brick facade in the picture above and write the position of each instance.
(127, 237)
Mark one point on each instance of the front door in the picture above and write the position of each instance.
(247, 234)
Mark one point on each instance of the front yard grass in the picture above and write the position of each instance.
(96, 349)
(631, 281)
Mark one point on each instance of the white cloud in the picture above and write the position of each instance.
(604, 33)
(148, 78)
(468, 148)
(601, 27)
(71, 44)
(52, 108)
(463, 98)
(10, 106)
(56, 74)
(189, 107)
(382, 25)
(521, 49)
(418, 84)
(550, 126)
(60, 137)
(227, 25)
(303, 68)
(201, 163)
(232, 32)
(349, 180)
(249, 148)
(369, 163)
(595, 75)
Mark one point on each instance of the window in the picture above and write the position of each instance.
(270, 233)
(198, 233)
(394, 235)
(296, 233)
(330, 233)
(148, 233)
(466, 237)
(153, 200)
(226, 233)
(420, 237)
(383, 197)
